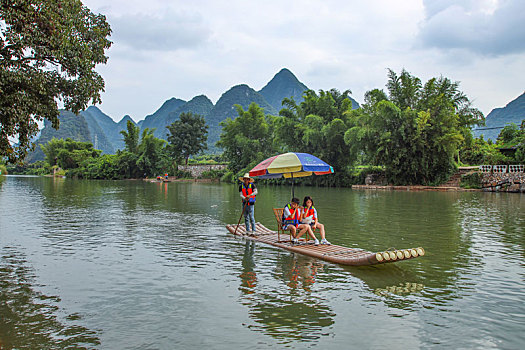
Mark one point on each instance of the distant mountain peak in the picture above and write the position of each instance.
(285, 73)
(125, 119)
(93, 108)
(283, 84)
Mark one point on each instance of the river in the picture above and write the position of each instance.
(136, 265)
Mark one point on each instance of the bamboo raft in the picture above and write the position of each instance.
(332, 253)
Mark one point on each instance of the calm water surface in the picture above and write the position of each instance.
(133, 265)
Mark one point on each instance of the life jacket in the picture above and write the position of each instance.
(311, 212)
(293, 219)
(246, 191)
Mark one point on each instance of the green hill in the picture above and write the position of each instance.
(109, 127)
(200, 105)
(513, 112)
(158, 119)
(283, 84)
(98, 136)
(71, 125)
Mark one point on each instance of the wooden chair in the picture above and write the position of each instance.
(278, 212)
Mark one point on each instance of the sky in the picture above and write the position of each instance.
(164, 49)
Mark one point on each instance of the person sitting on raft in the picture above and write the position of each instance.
(291, 218)
(309, 216)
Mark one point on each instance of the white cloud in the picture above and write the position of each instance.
(167, 31)
(183, 49)
(485, 27)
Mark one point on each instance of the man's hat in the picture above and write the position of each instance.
(246, 176)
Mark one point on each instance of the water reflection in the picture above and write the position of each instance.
(388, 279)
(289, 319)
(248, 275)
(288, 311)
(30, 319)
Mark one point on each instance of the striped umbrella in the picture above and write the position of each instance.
(291, 165)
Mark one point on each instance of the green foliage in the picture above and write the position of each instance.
(153, 157)
(48, 53)
(359, 174)
(183, 174)
(68, 154)
(316, 126)
(79, 159)
(187, 136)
(509, 136)
(247, 139)
(415, 131)
(479, 152)
(206, 159)
(520, 150)
(229, 177)
(3, 169)
(513, 136)
(104, 167)
(471, 180)
(36, 168)
(131, 137)
(213, 174)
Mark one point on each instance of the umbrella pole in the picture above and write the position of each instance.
(293, 193)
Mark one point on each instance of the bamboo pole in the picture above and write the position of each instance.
(238, 223)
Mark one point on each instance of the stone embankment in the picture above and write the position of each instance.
(411, 188)
(197, 170)
(503, 178)
(497, 178)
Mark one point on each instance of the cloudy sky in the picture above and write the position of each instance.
(163, 49)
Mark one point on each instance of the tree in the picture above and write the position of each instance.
(48, 53)
(187, 136)
(317, 126)
(153, 159)
(415, 131)
(520, 150)
(131, 137)
(68, 153)
(509, 135)
(247, 139)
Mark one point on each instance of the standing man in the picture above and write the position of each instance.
(248, 191)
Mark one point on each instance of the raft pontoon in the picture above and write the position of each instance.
(332, 253)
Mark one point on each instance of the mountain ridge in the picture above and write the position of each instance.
(284, 84)
(513, 112)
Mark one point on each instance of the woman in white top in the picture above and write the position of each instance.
(309, 216)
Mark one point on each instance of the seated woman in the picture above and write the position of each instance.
(291, 218)
(309, 216)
